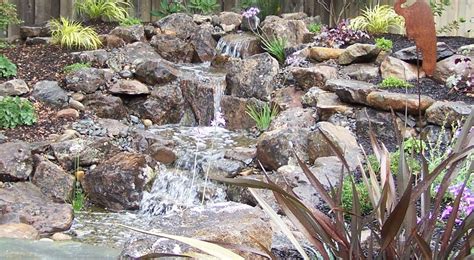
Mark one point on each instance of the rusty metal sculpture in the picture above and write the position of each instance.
(420, 27)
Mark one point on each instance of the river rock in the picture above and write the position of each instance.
(341, 138)
(350, 91)
(130, 34)
(53, 181)
(19, 231)
(393, 67)
(24, 202)
(252, 77)
(118, 182)
(173, 48)
(288, 97)
(88, 80)
(226, 222)
(296, 117)
(68, 113)
(179, 24)
(359, 53)
(397, 101)
(314, 76)
(162, 153)
(361, 71)
(50, 92)
(14, 87)
(447, 113)
(292, 31)
(15, 161)
(234, 111)
(409, 54)
(154, 72)
(322, 53)
(274, 149)
(326, 103)
(106, 106)
(129, 87)
(446, 68)
(204, 44)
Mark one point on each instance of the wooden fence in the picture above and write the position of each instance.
(39, 11)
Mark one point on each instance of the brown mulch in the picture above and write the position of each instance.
(101, 27)
(39, 62)
(47, 124)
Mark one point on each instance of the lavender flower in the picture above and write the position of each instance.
(251, 12)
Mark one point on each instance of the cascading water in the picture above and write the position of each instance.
(235, 45)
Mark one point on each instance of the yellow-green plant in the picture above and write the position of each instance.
(71, 34)
(110, 10)
(315, 27)
(384, 44)
(75, 67)
(394, 82)
(262, 116)
(275, 46)
(130, 21)
(377, 20)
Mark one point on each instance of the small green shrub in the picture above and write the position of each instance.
(413, 164)
(275, 46)
(70, 34)
(262, 116)
(7, 68)
(384, 44)
(79, 198)
(15, 111)
(110, 10)
(362, 192)
(75, 67)
(8, 15)
(167, 8)
(394, 82)
(377, 20)
(315, 27)
(130, 21)
(203, 6)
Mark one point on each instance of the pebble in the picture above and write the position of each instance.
(46, 239)
(78, 96)
(61, 237)
(76, 105)
(68, 113)
(126, 74)
(134, 119)
(147, 122)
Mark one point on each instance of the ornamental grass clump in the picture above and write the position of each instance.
(377, 20)
(262, 116)
(73, 35)
(108, 10)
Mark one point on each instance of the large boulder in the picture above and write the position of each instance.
(387, 100)
(118, 182)
(129, 87)
(19, 231)
(136, 53)
(179, 24)
(130, 34)
(343, 139)
(106, 106)
(157, 71)
(410, 54)
(323, 54)
(50, 92)
(226, 222)
(358, 53)
(315, 76)
(88, 80)
(393, 67)
(16, 163)
(292, 31)
(173, 48)
(288, 97)
(234, 111)
(53, 180)
(362, 71)
(325, 102)
(14, 87)
(447, 113)
(295, 117)
(204, 44)
(23, 202)
(228, 20)
(274, 149)
(446, 68)
(252, 77)
(98, 57)
(350, 91)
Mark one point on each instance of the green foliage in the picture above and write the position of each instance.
(110, 10)
(394, 82)
(362, 192)
(413, 164)
(315, 27)
(384, 44)
(79, 198)
(452, 26)
(130, 21)
(75, 67)
(377, 20)
(438, 7)
(167, 8)
(7, 68)
(72, 34)
(275, 46)
(203, 6)
(4, 44)
(8, 15)
(15, 111)
(262, 116)
(414, 146)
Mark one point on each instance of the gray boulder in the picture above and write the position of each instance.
(14, 87)
(88, 80)
(130, 34)
(50, 92)
(53, 181)
(16, 163)
(157, 71)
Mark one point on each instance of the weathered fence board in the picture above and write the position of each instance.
(39, 11)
